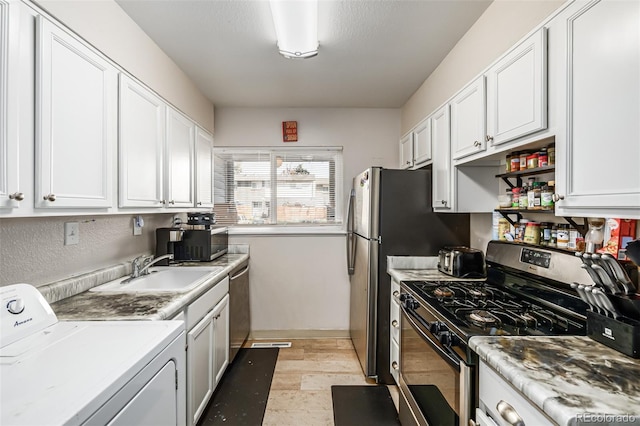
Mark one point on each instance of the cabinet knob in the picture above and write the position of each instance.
(557, 197)
(476, 143)
(163, 201)
(443, 202)
(489, 138)
(172, 202)
(408, 162)
(49, 197)
(199, 203)
(18, 196)
(394, 364)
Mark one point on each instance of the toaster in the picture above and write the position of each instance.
(462, 262)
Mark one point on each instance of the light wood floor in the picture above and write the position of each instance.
(300, 391)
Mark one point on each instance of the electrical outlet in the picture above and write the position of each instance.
(138, 223)
(71, 233)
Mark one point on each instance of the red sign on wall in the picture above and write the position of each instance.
(289, 131)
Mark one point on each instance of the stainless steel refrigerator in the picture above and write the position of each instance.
(389, 214)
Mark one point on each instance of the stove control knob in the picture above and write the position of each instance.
(445, 338)
(403, 297)
(435, 327)
(413, 304)
(15, 306)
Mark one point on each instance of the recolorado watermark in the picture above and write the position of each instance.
(607, 418)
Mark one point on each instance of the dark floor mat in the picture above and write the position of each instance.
(363, 405)
(241, 397)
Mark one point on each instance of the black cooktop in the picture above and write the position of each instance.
(482, 308)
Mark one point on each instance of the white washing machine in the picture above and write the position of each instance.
(85, 372)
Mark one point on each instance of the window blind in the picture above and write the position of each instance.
(278, 186)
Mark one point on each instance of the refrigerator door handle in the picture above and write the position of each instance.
(351, 239)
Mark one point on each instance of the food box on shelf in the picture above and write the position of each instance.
(617, 233)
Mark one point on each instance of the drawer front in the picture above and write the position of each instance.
(198, 309)
(394, 361)
(495, 390)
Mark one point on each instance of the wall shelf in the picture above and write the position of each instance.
(524, 173)
(582, 228)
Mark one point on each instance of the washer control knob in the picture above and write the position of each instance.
(15, 306)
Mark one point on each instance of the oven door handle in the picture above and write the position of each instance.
(454, 361)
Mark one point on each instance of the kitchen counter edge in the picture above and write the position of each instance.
(569, 378)
(161, 305)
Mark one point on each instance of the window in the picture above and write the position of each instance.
(303, 184)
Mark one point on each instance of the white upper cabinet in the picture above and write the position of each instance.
(597, 48)
(76, 122)
(406, 151)
(204, 168)
(142, 130)
(422, 143)
(516, 91)
(179, 160)
(10, 191)
(441, 169)
(468, 120)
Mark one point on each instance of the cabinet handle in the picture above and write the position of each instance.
(394, 323)
(394, 364)
(18, 196)
(557, 197)
(408, 162)
(163, 201)
(49, 197)
(509, 413)
(172, 202)
(199, 203)
(489, 138)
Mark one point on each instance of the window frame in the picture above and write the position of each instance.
(336, 176)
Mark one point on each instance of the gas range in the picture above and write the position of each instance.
(472, 308)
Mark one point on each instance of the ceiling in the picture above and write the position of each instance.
(373, 53)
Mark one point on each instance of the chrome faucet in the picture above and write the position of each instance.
(140, 265)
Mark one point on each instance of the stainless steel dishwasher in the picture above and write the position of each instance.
(239, 313)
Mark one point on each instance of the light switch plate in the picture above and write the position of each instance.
(71, 233)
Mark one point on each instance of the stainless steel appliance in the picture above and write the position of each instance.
(528, 291)
(390, 213)
(462, 262)
(192, 245)
(239, 316)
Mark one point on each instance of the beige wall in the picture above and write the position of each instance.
(105, 25)
(299, 284)
(500, 27)
(32, 250)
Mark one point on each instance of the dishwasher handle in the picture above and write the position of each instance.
(241, 273)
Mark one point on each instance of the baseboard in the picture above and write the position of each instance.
(299, 334)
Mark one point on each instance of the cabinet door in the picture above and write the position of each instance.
(76, 121)
(406, 151)
(200, 362)
(422, 143)
(516, 91)
(179, 160)
(468, 120)
(441, 168)
(10, 194)
(204, 168)
(597, 169)
(142, 127)
(220, 339)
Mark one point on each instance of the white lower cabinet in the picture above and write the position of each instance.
(394, 330)
(207, 347)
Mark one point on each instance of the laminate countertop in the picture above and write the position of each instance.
(160, 305)
(574, 380)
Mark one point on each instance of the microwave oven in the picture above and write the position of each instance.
(202, 245)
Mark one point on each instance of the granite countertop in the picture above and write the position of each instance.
(161, 305)
(566, 377)
(417, 268)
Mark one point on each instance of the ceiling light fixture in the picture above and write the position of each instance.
(296, 23)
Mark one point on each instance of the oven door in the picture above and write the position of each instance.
(434, 381)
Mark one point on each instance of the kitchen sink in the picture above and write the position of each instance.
(163, 278)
